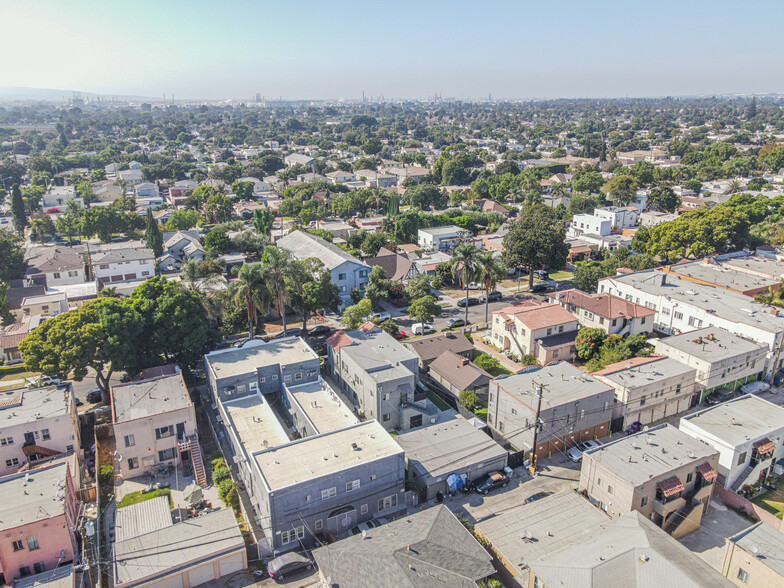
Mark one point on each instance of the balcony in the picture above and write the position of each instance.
(666, 506)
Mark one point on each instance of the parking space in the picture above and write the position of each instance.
(708, 541)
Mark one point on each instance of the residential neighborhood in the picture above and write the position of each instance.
(277, 314)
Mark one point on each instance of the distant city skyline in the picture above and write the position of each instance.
(311, 50)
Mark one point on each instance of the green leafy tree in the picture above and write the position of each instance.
(12, 263)
(68, 223)
(42, 226)
(218, 209)
(377, 287)
(418, 286)
(373, 242)
(182, 220)
(217, 241)
(227, 492)
(275, 265)
(469, 400)
(18, 209)
(663, 199)
(425, 196)
(621, 190)
(589, 343)
(425, 309)
(310, 288)
(250, 291)
(356, 315)
(465, 266)
(390, 327)
(6, 317)
(153, 235)
(262, 221)
(243, 190)
(536, 240)
(104, 221)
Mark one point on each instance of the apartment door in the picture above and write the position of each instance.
(341, 520)
(415, 421)
(29, 439)
(180, 431)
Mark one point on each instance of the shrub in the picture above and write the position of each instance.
(469, 399)
(220, 474)
(106, 476)
(217, 461)
(227, 492)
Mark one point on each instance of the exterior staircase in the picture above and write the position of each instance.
(682, 513)
(191, 444)
(742, 478)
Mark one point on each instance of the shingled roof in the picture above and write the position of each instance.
(604, 305)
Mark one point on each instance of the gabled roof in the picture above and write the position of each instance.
(395, 266)
(427, 548)
(459, 371)
(304, 245)
(430, 347)
(604, 305)
(536, 315)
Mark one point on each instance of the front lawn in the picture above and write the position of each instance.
(563, 274)
(136, 497)
(772, 500)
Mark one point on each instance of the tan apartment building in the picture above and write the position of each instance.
(613, 315)
(755, 557)
(574, 407)
(663, 473)
(648, 389)
(154, 423)
(546, 331)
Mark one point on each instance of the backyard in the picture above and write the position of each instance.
(772, 500)
(138, 496)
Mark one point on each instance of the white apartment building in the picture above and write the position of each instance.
(117, 265)
(441, 238)
(683, 306)
(722, 359)
(590, 224)
(620, 217)
(36, 424)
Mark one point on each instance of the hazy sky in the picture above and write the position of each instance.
(308, 49)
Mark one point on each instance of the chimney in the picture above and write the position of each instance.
(464, 361)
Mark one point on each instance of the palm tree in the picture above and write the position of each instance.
(275, 266)
(465, 265)
(250, 290)
(733, 187)
(491, 271)
(190, 275)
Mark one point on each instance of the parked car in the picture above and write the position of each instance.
(455, 322)
(541, 274)
(399, 335)
(319, 330)
(719, 396)
(383, 316)
(590, 444)
(634, 428)
(494, 296)
(287, 564)
(367, 525)
(422, 329)
(290, 332)
(474, 286)
(471, 301)
(493, 481)
(575, 453)
(535, 497)
(94, 395)
(537, 288)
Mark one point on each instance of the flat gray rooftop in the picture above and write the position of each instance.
(379, 354)
(322, 406)
(768, 267)
(722, 276)
(564, 383)
(738, 421)
(712, 344)
(155, 396)
(638, 458)
(34, 497)
(647, 373)
(726, 304)
(765, 543)
(325, 454)
(447, 230)
(442, 448)
(22, 406)
(256, 354)
(255, 423)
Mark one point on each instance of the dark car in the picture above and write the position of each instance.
(535, 497)
(290, 332)
(537, 288)
(495, 296)
(720, 395)
(634, 428)
(319, 330)
(541, 274)
(94, 395)
(493, 481)
(471, 301)
(287, 564)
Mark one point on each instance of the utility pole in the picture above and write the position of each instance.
(532, 464)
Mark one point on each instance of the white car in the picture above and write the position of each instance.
(383, 316)
(574, 453)
(422, 329)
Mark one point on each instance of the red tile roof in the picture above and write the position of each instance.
(708, 473)
(670, 486)
(602, 304)
(337, 340)
(368, 327)
(537, 315)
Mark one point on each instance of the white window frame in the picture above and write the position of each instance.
(130, 441)
(353, 485)
(329, 493)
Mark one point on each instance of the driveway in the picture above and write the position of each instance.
(708, 541)
(556, 474)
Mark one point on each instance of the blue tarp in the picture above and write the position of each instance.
(454, 482)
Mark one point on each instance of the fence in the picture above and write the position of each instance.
(737, 501)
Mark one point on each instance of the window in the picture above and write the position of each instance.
(24, 571)
(307, 498)
(274, 377)
(69, 447)
(615, 322)
(166, 454)
(560, 328)
(103, 266)
(39, 568)
(743, 575)
(130, 441)
(56, 275)
(145, 273)
(609, 489)
(689, 477)
(253, 387)
(298, 376)
(353, 485)
(386, 417)
(678, 315)
(319, 525)
(363, 273)
(73, 273)
(32, 543)
(642, 400)
(642, 322)
(582, 413)
(45, 434)
(328, 493)
(18, 545)
(598, 481)
(549, 331)
(388, 502)
(695, 322)
(287, 378)
(292, 535)
(7, 441)
(133, 463)
(742, 458)
(363, 509)
(11, 462)
(643, 501)
(341, 276)
(372, 477)
(164, 432)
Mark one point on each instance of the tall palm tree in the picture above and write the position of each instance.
(250, 291)
(465, 265)
(491, 271)
(192, 278)
(734, 187)
(275, 267)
